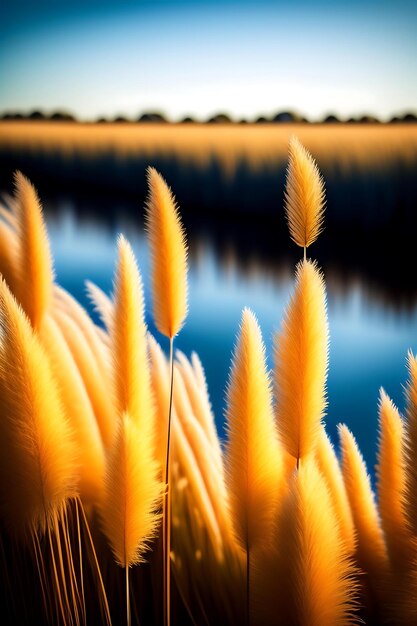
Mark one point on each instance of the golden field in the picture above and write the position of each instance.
(341, 146)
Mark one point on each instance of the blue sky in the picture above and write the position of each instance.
(108, 58)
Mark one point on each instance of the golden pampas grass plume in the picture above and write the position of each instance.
(304, 196)
(194, 379)
(34, 262)
(391, 481)
(78, 409)
(371, 550)
(101, 302)
(9, 255)
(253, 459)
(301, 362)
(169, 256)
(307, 579)
(38, 459)
(95, 382)
(132, 382)
(328, 464)
(131, 496)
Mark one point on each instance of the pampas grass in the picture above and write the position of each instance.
(276, 514)
(102, 303)
(34, 263)
(307, 577)
(304, 196)
(170, 289)
(95, 382)
(78, 408)
(392, 480)
(301, 361)
(132, 384)
(38, 456)
(8, 254)
(328, 465)
(169, 256)
(131, 496)
(253, 459)
(132, 489)
(371, 548)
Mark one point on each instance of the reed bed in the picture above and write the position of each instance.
(343, 147)
(119, 503)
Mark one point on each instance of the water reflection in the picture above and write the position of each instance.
(369, 336)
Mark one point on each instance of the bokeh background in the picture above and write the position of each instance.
(210, 93)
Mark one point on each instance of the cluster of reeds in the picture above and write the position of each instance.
(118, 501)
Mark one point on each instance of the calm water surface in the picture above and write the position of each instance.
(369, 338)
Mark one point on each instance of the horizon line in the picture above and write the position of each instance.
(220, 116)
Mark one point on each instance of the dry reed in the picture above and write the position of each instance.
(170, 290)
(253, 459)
(301, 360)
(304, 196)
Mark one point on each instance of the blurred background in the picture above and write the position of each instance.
(210, 93)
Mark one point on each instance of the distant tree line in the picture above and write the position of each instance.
(57, 116)
(283, 117)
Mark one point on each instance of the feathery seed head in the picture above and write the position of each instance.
(38, 461)
(254, 463)
(169, 256)
(301, 362)
(371, 548)
(391, 480)
(329, 466)
(308, 577)
(132, 494)
(35, 268)
(129, 342)
(101, 302)
(304, 196)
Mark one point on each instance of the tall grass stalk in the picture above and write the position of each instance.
(169, 277)
(253, 459)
